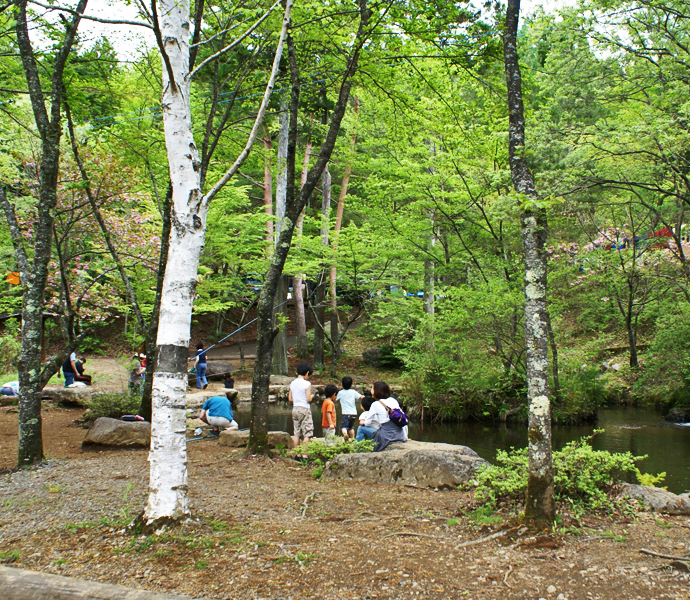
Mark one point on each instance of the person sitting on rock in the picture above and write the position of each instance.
(366, 432)
(217, 412)
(79, 365)
(388, 433)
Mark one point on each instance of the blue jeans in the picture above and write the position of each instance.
(364, 433)
(201, 380)
(69, 378)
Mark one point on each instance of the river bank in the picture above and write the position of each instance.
(267, 529)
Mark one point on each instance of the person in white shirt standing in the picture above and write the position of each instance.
(300, 396)
(348, 398)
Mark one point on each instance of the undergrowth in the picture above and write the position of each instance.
(113, 405)
(319, 453)
(583, 477)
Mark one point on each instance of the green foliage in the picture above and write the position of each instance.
(113, 405)
(319, 453)
(582, 475)
(10, 347)
(649, 479)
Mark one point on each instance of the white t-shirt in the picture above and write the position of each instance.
(367, 415)
(347, 399)
(12, 384)
(299, 388)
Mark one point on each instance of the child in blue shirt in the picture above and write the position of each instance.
(348, 398)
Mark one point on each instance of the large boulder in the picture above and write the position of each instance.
(239, 439)
(121, 434)
(77, 396)
(219, 369)
(657, 500)
(422, 464)
(281, 380)
(678, 415)
(372, 357)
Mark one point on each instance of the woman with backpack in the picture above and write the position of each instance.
(387, 411)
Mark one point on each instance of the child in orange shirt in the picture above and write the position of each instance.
(328, 411)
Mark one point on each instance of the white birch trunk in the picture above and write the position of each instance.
(168, 455)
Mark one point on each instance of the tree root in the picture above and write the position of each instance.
(668, 556)
(410, 534)
(488, 538)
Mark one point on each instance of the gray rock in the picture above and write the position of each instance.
(678, 415)
(281, 380)
(239, 439)
(422, 464)
(657, 500)
(372, 357)
(78, 396)
(217, 369)
(122, 434)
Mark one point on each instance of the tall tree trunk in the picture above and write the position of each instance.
(258, 436)
(554, 358)
(34, 274)
(168, 457)
(280, 364)
(319, 333)
(268, 185)
(539, 503)
(333, 273)
(429, 280)
(298, 282)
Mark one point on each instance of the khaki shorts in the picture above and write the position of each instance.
(302, 422)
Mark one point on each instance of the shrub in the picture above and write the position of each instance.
(113, 405)
(319, 453)
(582, 475)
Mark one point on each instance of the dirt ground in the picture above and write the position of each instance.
(264, 528)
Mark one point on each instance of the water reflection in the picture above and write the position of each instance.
(637, 430)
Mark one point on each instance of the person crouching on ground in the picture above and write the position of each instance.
(388, 433)
(347, 398)
(217, 412)
(300, 396)
(367, 421)
(328, 412)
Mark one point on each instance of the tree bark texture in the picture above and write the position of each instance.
(539, 504)
(168, 456)
(258, 437)
(298, 282)
(34, 275)
(268, 186)
(320, 308)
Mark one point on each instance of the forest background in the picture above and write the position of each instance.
(415, 221)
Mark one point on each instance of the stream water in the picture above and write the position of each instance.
(638, 430)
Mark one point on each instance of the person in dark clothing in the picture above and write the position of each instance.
(200, 364)
(69, 369)
(79, 365)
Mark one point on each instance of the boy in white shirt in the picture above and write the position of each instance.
(347, 398)
(300, 396)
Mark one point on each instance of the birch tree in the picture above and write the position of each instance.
(539, 504)
(168, 456)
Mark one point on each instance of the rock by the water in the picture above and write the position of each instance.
(413, 463)
(239, 439)
(678, 415)
(78, 396)
(217, 369)
(122, 434)
(372, 357)
(197, 399)
(281, 380)
(657, 500)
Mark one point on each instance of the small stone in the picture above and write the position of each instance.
(551, 589)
